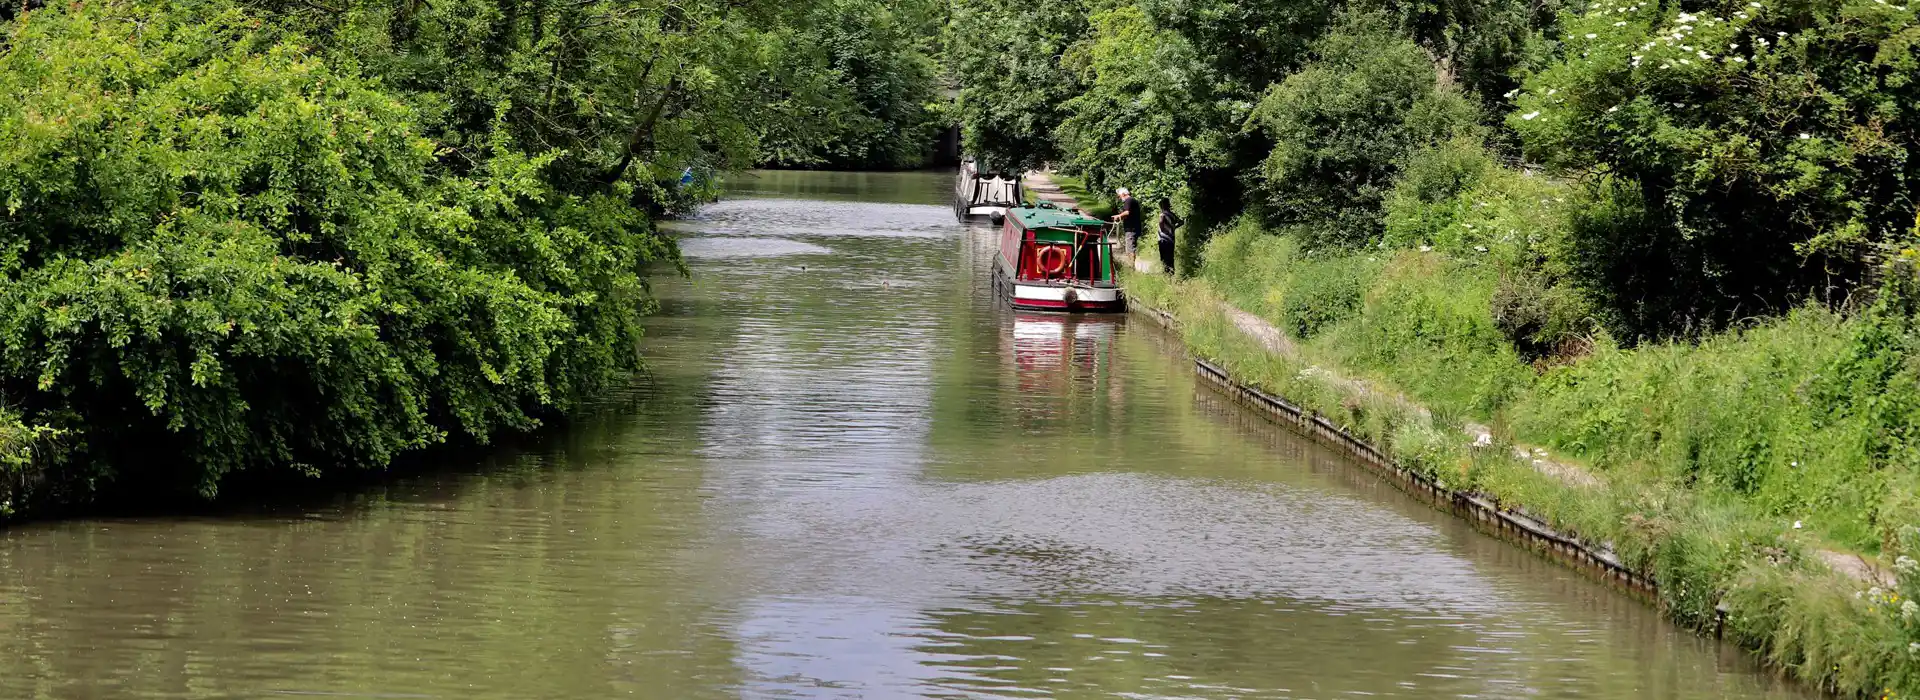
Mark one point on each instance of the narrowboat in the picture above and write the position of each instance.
(985, 195)
(1053, 259)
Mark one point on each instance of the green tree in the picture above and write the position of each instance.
(1006, 56)
(1757, 155)
(1479, 43)
(870, 70)
(1343, 126)
(221, 251)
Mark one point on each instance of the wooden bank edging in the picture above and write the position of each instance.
(1483, 513)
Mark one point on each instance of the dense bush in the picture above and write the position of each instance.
(1134, 124)
(1013, 88)
(221, 252)
(1425, 326)
(1456, 198)
(1741, 413)
(1168, 89)
(1270, 276)
(1343, 125)
(857, 80)
(1760, 151)
(1481, 42)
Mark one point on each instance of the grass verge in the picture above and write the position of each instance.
(1730, 471)
(1094, 205)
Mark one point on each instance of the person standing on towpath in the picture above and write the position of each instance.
(1169, 222)
(1129, 219)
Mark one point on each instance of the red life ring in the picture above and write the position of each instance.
(1056, 254)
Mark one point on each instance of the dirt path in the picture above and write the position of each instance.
(1045, 189)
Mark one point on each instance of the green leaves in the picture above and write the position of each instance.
(1771, 142)
(1006, 55)
(850, 86)
(230, 253)
(1343, 125)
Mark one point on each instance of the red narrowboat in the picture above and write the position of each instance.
(1053, 259)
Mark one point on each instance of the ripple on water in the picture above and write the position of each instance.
(747, 247)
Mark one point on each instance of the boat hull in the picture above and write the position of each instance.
(980, 195)
(990, 213)
(1036, 295)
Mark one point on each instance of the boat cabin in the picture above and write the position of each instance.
(1055, 259)
(985, 195)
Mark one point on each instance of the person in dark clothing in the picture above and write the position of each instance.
(1169, 222)
(1129, 218)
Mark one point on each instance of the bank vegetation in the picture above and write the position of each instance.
(1666, 254)
(283, 240)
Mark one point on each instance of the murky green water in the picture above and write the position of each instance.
(851, 475)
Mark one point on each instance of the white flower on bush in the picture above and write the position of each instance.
(1593, 36)
(1909, 610)
(1804, 136)
(1530, 116)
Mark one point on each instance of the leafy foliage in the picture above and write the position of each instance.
(1481, 43)
(222, 252)
(1343, 125)
(1006, 53)
(271, 233)
(854, 81)
(1768, 145)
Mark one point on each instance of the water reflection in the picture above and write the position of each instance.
(848, 473)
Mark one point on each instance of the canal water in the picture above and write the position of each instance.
(849, 474)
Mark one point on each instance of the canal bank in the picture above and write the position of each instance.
(816, 495)
(1829, 617)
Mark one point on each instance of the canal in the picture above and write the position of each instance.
(849, 473)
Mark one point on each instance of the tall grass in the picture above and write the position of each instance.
(1725, 466)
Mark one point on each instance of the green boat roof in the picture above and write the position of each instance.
(1044, 217)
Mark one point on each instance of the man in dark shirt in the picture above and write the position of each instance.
(1129, 219)
(1169, 222)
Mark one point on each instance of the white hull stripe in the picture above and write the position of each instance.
(1097, 295)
